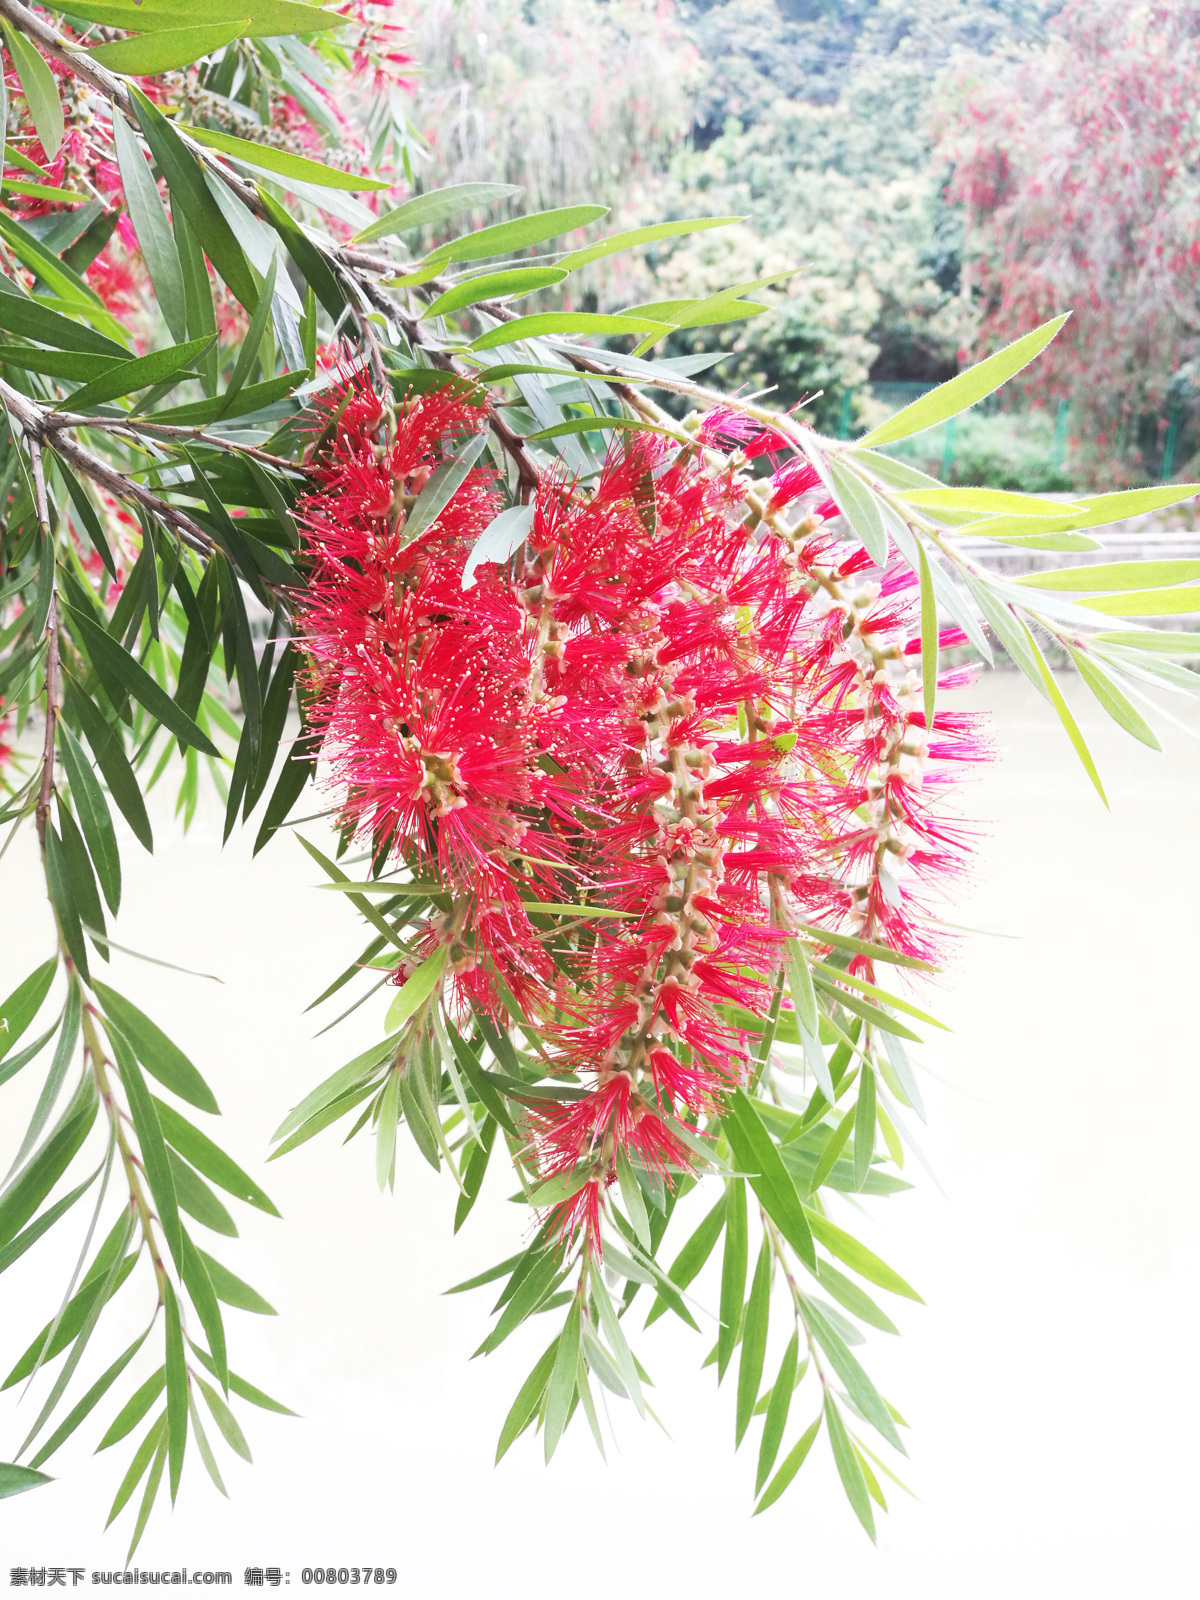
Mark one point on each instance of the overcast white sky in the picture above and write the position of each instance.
(1050, 1380)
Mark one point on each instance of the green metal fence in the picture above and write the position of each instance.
(1170, 429)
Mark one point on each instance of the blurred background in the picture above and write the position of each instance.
(947, 173)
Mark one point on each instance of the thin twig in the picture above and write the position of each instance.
(53, 675)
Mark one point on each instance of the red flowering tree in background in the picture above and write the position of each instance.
(1077, 168)
(634, 721)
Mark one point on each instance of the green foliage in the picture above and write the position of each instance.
(122, 636)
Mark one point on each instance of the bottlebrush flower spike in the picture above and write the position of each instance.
(694, 722)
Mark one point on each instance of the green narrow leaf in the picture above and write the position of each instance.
(513, 281)
(869, 1478)
(252, 343)
(225, 1419)
(848, 1468)
(152, 1482)
(505, 238)
(110, 757)
(30, 1053)
(16, 1480)
(754, 1340)
(134, 1409)
(45, 590)
(1113, 575)
(833, 1150)
(154, 1153)
(32, 320)
(1055, 696)
(584, 1391)
(149, 218)
(757, 1155)
(309, 260)
(1098, 511)
(568, 322)
(85, 511)
(777, 1413)
(528, 1400)
(474, 1175)
(137, 1467)
(416, 989)
(733, 1272)
(84, 891)
(200, 311)
(442, 487)
(209, 1158)
(970, 386)
(988, 502)
(864, 1126)
(245, 1390)
(791, 1466)
(858, 1386)
(1147, 603)
(345, 1078)
(202, 1444)
(269, 18)
(152, 53)
(274, 717)
(134, 677)
(360, 903)
(694, 1254)
(19, 1009)
(385, 1130)
(535, 1286)
(929, 640)
(860, 508)
(1119, 707)
(637, 236)
(626, 1365)
(198, 1282)
(161, 1058)
(18, 1246)
(635, 1203)
(94, 815)
(50, 1343)
(800, 986)
(438, 205)
(38, 87)
(197, 1199)
(854, 1299)
(143, 371)
(480, 1081)
(106, 1281)
(299, 767)
(855, 1255)
(253, 397)
(58, 883)
(188, 189)
(80, 255)
(861, 1008)
(25, 1193)
(284, 162)
(561, 1389)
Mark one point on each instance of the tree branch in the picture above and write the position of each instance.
(53, 674)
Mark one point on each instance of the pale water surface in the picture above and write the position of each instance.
(1050, 1380)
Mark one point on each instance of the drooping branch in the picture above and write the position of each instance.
(53, 672)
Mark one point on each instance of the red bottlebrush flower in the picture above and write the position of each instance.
(663, 709)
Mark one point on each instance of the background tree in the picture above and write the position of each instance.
(1076, 167)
